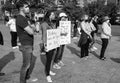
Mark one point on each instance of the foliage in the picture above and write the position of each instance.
(100, 9)
(71, 8)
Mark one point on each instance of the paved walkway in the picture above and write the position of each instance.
(76, 70)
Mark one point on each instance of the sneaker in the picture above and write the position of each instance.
(102, 58)
(32, 80)
(61, 63)
(49, 79)
(17, 47)
(94, 48)
(52, 73)
(14, 47)
(74, 37)
(56, 66)
(91, 49)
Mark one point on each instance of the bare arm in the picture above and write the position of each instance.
(29, 30)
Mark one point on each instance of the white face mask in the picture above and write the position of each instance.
(52, 16)
(108, 21)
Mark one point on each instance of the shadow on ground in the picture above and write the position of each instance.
(73, 51)
(117, 60)
(95, 54)
(6, 59)
(98, 42)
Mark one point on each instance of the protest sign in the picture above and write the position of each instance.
(65, 32)
(53, 36)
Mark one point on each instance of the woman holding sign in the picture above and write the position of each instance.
(47, 25)
(59, 54)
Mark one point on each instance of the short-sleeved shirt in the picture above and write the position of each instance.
(24, 37)
(12, 25)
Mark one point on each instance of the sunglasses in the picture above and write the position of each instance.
(86, 20)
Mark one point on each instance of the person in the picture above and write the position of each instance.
(25, 33)
(75, 29)
(12, 25)
(95, 23)
(85, 36)
(105, 36)
(48, 23)
(57, 64)
(93, 30)
(1, 43)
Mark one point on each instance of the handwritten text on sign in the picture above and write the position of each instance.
(53, 36)
(65, 32)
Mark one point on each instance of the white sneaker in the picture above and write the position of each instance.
(91, 49)
(32, 80)
(52, 73)
(49, 79)
(56, 66)
(94, 48)
(61, 63)
(15, 47)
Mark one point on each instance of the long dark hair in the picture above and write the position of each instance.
(47, 15)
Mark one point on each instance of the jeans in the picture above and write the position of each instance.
(13, 38)
(28, 62)
(59, 54)
(104, 46)
(49, 57)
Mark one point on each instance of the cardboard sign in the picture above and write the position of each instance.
(53, 39)
(65, 32)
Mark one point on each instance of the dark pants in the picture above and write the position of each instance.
(59, 54)
(84, 49)
(13, 38)
(75, 32)
(104, 46)
(49, 57)
(28, 62)
(93, 40)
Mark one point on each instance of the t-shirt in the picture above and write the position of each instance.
(24, 37)
(12, 24)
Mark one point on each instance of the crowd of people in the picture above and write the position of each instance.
(23, 28)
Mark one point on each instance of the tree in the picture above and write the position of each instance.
(100, 9)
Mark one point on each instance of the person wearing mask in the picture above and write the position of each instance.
(93, 29)
(48, 24)
(12, 25)
(85, 36)
(105, 36)
(25, 33)
(59, 54)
